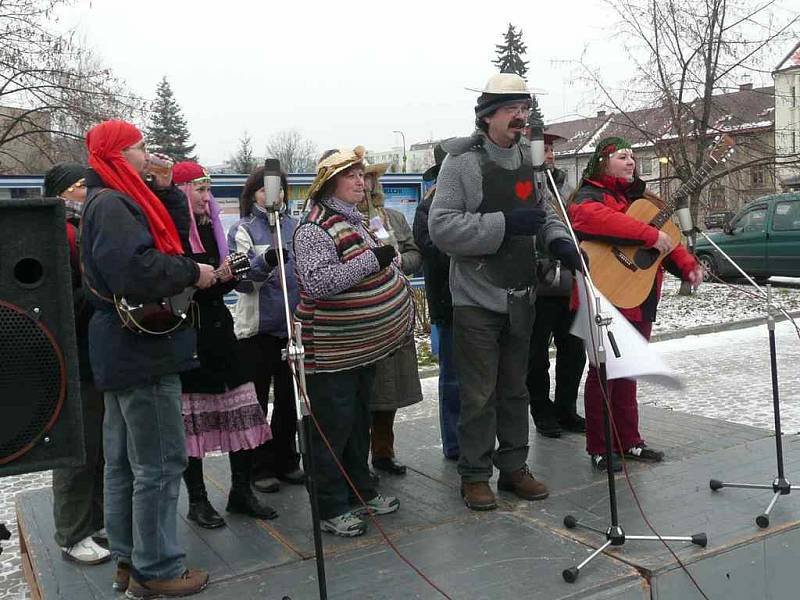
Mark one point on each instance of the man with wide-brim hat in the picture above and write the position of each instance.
(488, 218)
(355, 308)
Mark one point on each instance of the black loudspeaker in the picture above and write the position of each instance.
(41, 422)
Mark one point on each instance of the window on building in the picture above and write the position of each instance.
(794, 96)
(716, 197)
(758, 176)
(645, 166)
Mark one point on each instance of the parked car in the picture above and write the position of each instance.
(717, 219)
(763, 238)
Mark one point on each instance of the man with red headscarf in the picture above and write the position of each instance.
(132, 247)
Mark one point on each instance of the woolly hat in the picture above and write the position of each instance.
(189, 172)
(334, 164)
(62, 176)
(604, 148)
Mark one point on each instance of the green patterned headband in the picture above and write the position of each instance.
(604, 148)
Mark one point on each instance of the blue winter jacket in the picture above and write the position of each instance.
(259, 307)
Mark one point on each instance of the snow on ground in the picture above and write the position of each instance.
(716, 303)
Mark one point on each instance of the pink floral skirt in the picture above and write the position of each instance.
(226, 422)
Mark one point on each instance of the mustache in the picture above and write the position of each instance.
(517, 122)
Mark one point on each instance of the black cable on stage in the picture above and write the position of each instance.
(628, 481)
(373, 519)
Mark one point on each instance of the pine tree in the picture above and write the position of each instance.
(168, 132)
(509, 55)
(536, 112)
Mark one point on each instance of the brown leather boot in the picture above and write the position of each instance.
(522, 483)
(191, 582)
(478, 495)
(121, 577)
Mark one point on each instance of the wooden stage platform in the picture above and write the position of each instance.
(517, 551)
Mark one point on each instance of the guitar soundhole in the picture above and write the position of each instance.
(644, 258)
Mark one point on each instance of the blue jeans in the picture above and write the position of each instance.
(145, 451)
(449, 402)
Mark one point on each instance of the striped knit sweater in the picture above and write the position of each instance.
(363, 323)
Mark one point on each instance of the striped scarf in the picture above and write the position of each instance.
(362, 324)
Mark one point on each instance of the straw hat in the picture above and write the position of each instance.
(333, 164)
(378, 169)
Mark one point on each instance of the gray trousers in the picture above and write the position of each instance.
(78, 491)
(491, 357)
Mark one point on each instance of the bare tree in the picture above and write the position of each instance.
(296, 153)
(51, 89)
(686, 55)
(243, 161)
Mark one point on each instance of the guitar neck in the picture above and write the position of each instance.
(694, 181)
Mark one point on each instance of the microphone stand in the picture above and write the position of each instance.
(780, 486)
(600, 331)
(295, 354)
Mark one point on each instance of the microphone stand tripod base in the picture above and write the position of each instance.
(780, 486)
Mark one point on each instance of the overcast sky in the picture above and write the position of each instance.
(343, 73)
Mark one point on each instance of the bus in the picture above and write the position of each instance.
(403, 192)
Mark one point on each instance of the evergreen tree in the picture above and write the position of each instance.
(509, 54)
(168, 132)
(536, 112)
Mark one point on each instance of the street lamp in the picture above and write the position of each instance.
(404, 147)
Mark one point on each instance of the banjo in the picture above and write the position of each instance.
(167, 315)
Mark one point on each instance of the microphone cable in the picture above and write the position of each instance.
(372, 517)
(628, 481)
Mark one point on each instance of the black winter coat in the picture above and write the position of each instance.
(119, 257)
(220, 370)
(435, 266)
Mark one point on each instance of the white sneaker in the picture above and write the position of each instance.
(379, 505)
(346, 525)
(86, 552)
(101, 537)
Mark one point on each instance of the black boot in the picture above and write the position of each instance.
(242, 499)
(200, 509)
(203, 514)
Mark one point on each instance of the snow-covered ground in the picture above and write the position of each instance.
(715, 303)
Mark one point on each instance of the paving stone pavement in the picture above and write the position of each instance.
(727, 376)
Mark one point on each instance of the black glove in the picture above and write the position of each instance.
(271, 257)
(524, 221)
(567, 253)
(384, 254)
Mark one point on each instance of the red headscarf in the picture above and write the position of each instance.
(105, 143)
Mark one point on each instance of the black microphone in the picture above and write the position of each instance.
(685, 220)
(272, 188)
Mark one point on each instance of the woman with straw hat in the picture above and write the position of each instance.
(396, 377)
(355, 308)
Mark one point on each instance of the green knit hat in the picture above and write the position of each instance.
(604, 148)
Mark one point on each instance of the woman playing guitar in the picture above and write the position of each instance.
(597, 212)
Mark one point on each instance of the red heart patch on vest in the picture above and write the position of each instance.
(523, 190)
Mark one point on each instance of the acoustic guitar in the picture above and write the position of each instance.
(625, 273)
(170, 314)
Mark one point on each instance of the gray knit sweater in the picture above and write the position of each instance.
(466, 235)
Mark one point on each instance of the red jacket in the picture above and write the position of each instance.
(598, 212)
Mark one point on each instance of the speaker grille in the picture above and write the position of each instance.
(32, 381)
